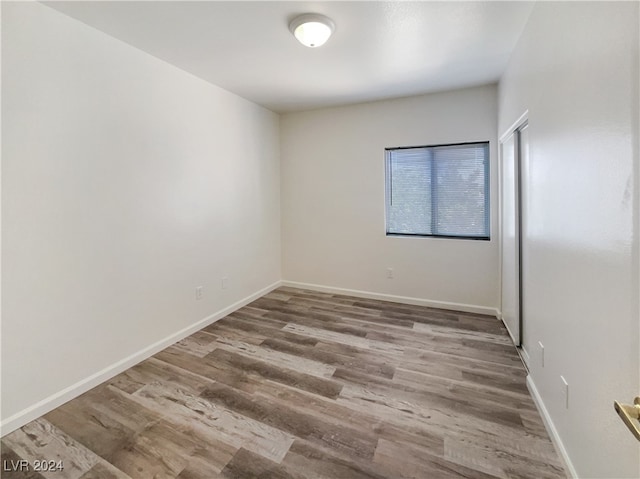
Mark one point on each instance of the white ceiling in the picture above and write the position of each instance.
(379, 49)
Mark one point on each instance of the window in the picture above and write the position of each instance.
(438, 191)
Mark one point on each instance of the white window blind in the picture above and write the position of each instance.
(438, 191)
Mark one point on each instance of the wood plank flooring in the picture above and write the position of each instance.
(308, 385)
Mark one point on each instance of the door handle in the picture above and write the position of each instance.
(630, 415)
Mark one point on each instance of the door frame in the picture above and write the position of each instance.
(518, 125)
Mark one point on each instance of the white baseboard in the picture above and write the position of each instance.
(551, 429)
(469, 308)
(36, 410)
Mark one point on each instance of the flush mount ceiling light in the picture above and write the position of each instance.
(312, 29)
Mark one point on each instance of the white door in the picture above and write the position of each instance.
(522, 165)
(510, 229)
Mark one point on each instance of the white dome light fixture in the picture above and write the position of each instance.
(312, 29)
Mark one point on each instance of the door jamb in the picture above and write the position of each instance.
(513, 129)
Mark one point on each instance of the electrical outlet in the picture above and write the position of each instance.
(541, 353)
(566, 391)
(389, 273)
(198, 292)
(224, 283)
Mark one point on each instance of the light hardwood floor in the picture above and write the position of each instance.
(301, 384)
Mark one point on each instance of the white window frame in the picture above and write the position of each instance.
(487, 194)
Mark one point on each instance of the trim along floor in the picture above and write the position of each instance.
(302, 384)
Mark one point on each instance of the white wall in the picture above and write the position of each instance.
(575, 69)
(126, 183)
(333, 205)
